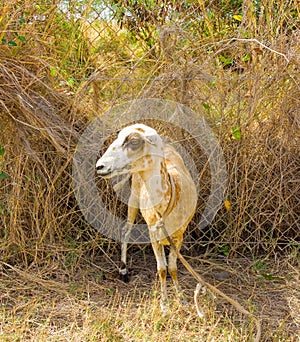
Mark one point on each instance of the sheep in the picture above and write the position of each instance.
(161, 188)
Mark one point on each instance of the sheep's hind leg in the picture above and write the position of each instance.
(172, 269)
(162, 272)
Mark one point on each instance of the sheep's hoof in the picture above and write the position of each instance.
(124, 274)
(124, 277)
(164, 307)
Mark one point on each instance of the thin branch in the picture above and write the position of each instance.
(254, 40)
(251, 40)
(196, 293)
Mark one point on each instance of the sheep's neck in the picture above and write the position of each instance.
(157, 184)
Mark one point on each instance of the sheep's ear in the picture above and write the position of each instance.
(151, 139)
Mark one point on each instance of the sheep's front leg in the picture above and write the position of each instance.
(133, 208)
(132, 213)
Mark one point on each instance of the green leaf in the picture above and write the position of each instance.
(22, 20)
(3, 175)
(1, 151)
(22, 38)
(236, 133)
(12, 43)
(270, 276)
(213, 83)
(225, 61)
(259, 265)
(53, 71)
(206, 105)
(70, 81)
(238, 17)
(225, 250)
(246, 58)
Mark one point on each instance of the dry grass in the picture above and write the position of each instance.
(58, 276)
(89, 304)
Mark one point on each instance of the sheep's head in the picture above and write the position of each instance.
(137, 148)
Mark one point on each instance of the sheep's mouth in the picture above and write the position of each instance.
(105, 175)
(113, 173)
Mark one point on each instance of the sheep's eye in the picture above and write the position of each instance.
(134, 142)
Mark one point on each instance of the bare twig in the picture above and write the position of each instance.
(196, 293)
(251, 40)
(254, 40)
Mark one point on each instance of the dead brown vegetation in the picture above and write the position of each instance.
(53, 265)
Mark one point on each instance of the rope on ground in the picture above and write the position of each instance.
(212, 288)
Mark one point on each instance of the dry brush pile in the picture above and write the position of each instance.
(248, 92)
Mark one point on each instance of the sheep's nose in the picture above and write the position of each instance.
(102, 169)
